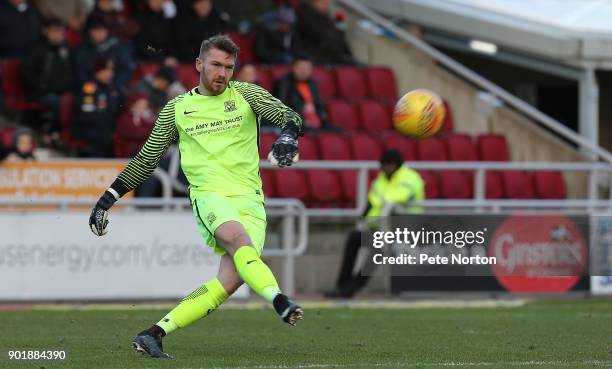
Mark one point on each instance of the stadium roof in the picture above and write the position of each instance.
(571, 31)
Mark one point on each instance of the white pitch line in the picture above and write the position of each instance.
(531, 363)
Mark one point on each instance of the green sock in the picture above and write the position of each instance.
(194, 306)
(256, 273)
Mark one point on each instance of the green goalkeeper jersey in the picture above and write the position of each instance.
(218, 139)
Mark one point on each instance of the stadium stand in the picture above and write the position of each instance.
(324, 78)
(343, 114)
(374, 116)
(517, 185)
(549, 185)
(406, 146)
(455, 185)
(14, 97)
(359, 101)
(460, 147)
(351, 82)
(492, 147)
(431, 149)
(381, 83)
(432, 184)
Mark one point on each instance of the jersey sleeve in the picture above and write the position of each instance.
(269, 107)
(144, 163)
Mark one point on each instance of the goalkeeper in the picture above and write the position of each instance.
(216, 124)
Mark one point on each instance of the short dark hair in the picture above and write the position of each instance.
(221, 42)
(392, 157)
(53, 22)
(301, 56)
(96, 21)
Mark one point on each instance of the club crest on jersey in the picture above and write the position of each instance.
(211, 218)
(230, 105)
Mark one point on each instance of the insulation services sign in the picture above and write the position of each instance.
(58, 179)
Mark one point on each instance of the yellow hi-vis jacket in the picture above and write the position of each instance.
(404, 187)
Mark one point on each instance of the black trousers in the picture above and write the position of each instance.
(347, 280)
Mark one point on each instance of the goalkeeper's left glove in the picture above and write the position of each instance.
(98, 220)
(285, 149)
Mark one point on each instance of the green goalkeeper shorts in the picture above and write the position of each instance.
(212, 209)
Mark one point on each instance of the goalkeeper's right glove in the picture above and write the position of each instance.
(98, 220)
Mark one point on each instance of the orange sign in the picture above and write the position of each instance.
(79, 179)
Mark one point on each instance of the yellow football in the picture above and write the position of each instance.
(419, 114)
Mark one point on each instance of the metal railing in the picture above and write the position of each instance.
(477, 79)
(293, 228)
(478, 203)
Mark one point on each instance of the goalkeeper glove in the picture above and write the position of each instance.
(285, 149)
(99, 214)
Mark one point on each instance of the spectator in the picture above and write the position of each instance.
(120, 24)
(19, 27)
(318, 34)
(134, 126)
(96, 110)
(195, 24)
(153, 41)
(299, 91)
(71, 12)
(157, 87)
(100, 43)
(47, 73)
(243, 14)
(395, 184)
(276, 40)
(248, 73)
(23, 145)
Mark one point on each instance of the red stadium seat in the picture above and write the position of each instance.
(549, 185)
(381, 83)
(188, 76)
(291, 183)
(65, 118)
(494, 188)
(265, 144)
(278, 71)
(456, 185)
(264, 79)
(492, 147)
(350, 82)
(517, 185)
(246, 43)
(342, 114)
(374, 116)
(431, 149)
(432, 185)
(267, 178)
(6, 136)
(12, 85)
(334, 146)
(460, 147)
(325, 82)
(324, 187)
(348, 180)
(448, 124)
(365, 147)
(401, 143)
(308, 148)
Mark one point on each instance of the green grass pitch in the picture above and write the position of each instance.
(548, 334)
